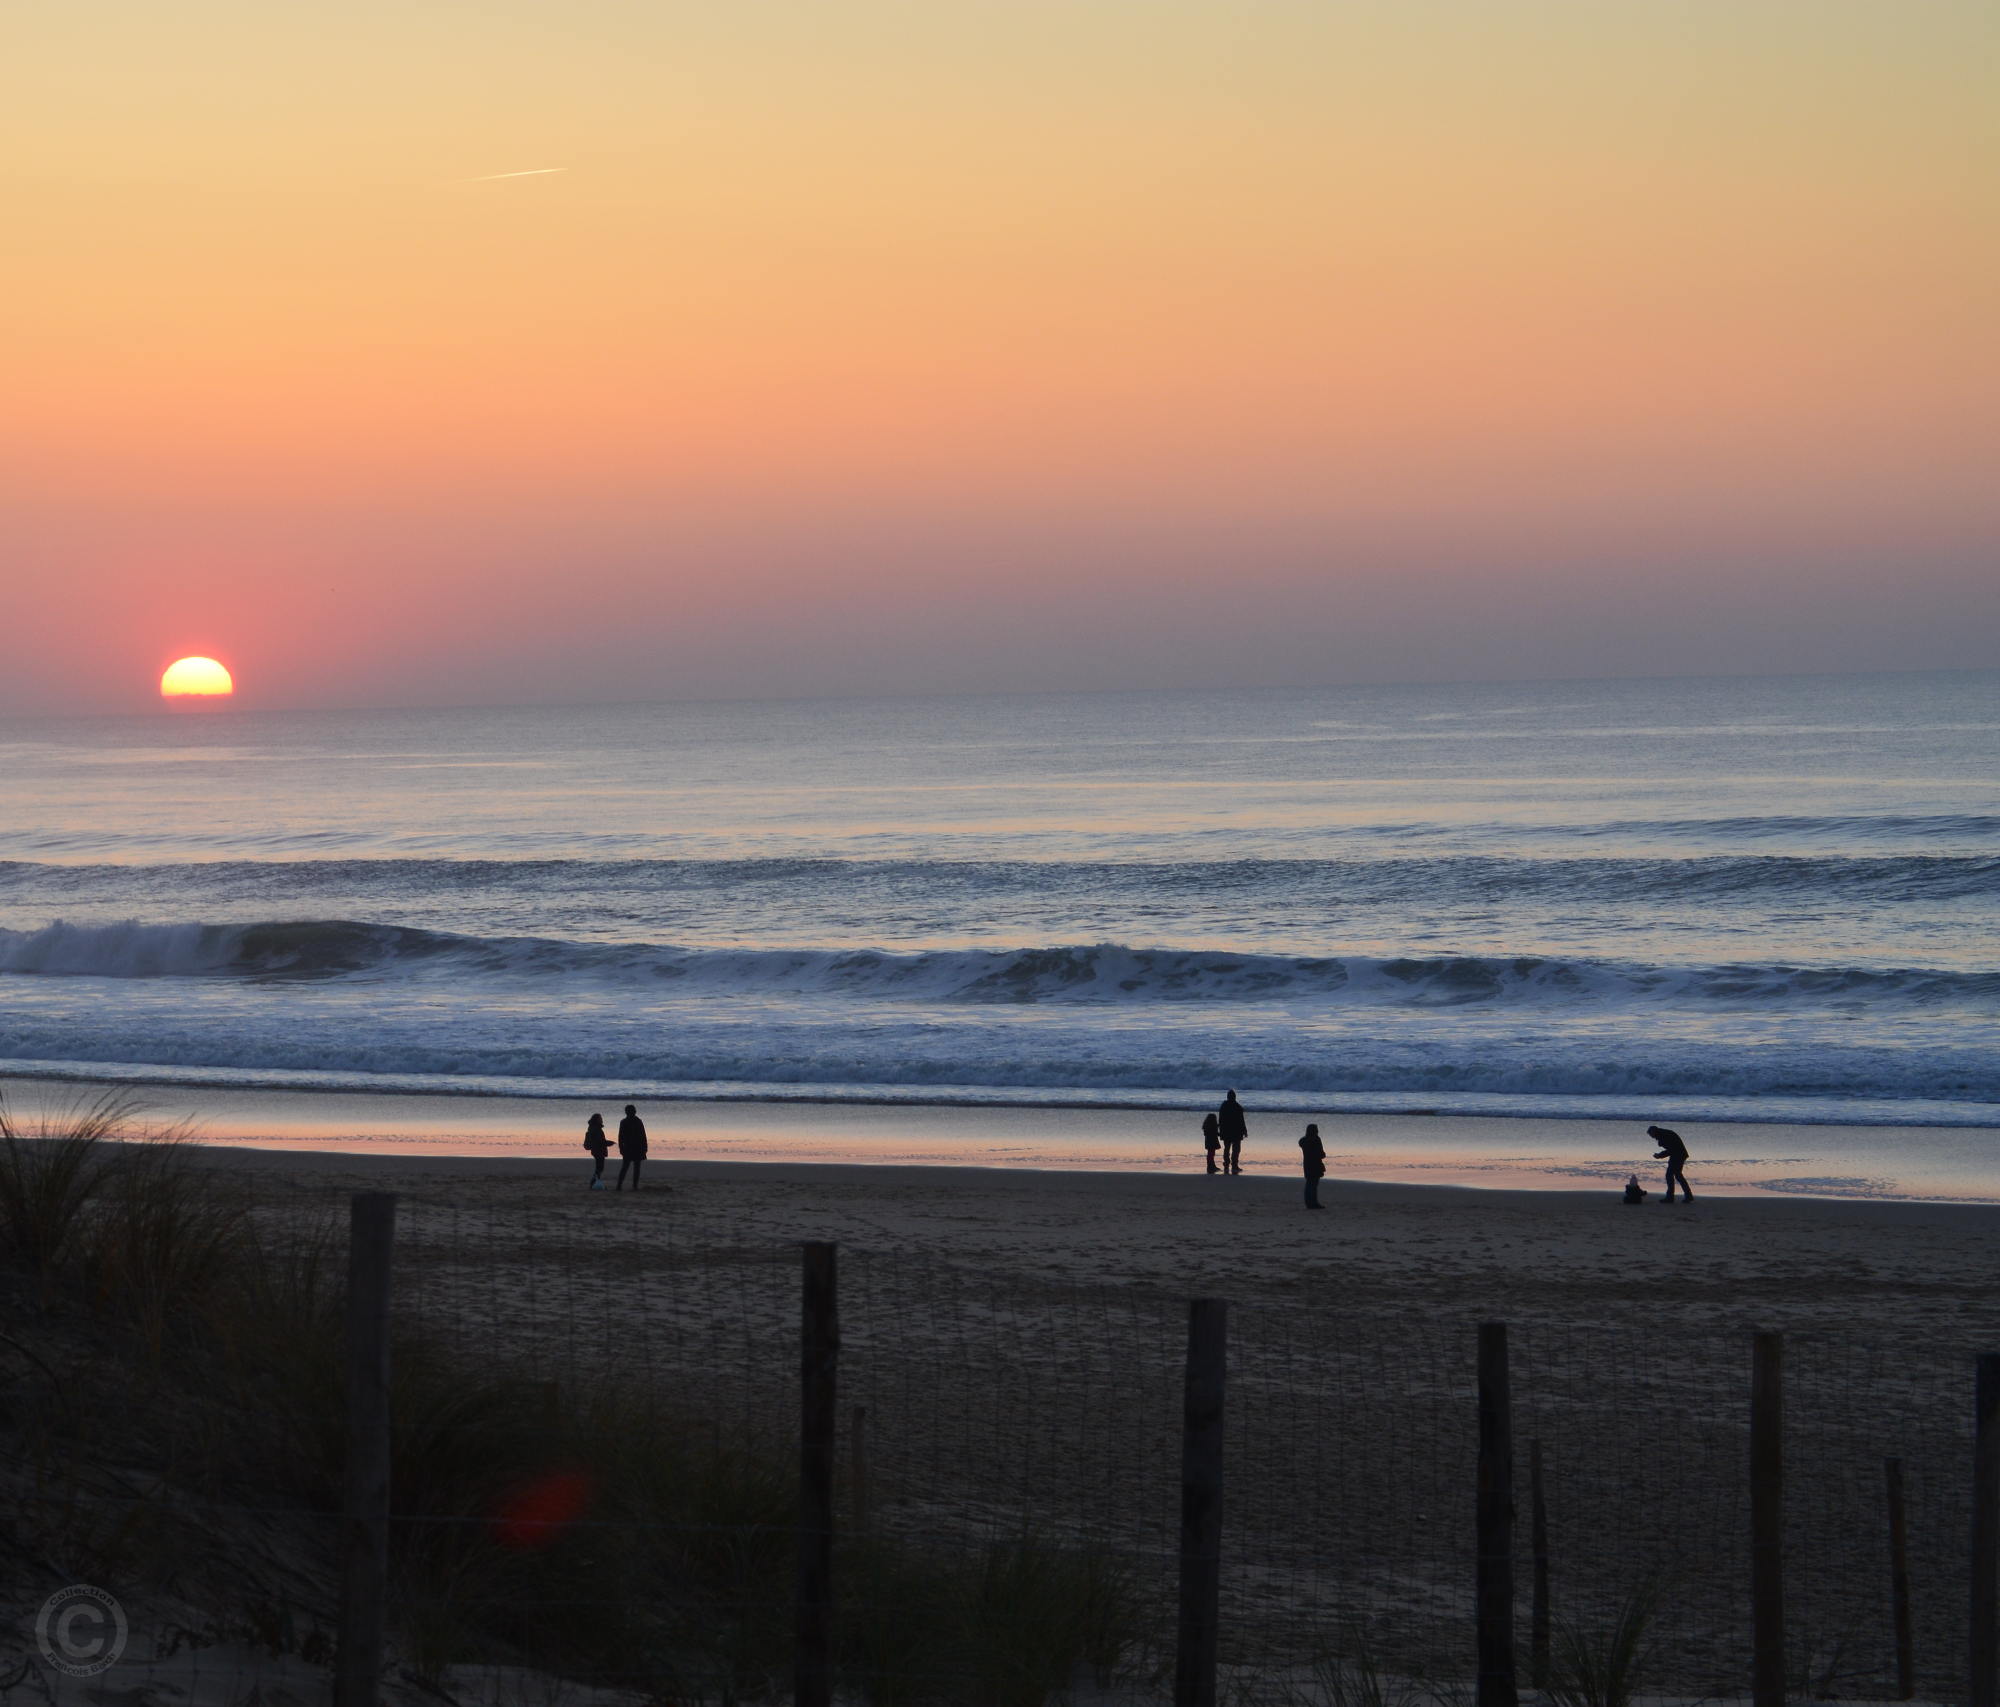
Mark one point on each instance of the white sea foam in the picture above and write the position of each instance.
(1092, 973)
(1780, 890)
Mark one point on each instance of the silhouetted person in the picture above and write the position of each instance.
(599, 1147)
(1233, 1128)
(1314, 1153)
(1675, 1154)
(631, 1147)
(1211, 1138)
(1634, 1191)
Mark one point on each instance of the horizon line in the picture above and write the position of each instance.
(235, 703)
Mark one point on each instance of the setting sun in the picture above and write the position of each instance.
(196, 678)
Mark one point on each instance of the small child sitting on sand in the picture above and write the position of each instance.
(1634, 1191)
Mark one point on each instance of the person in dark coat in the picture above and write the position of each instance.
(599, 1147)
(1675, 1154)
(631, 1147)
(1211, 1138)
(1234, 1129)
(1314, 1153)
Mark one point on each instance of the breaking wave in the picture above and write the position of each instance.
(1621, 880)
(1095, 973)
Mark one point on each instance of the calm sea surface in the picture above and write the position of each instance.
(1766, 899)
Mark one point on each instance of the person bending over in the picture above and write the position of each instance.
(1675, 1154)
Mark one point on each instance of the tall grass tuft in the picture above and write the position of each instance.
(1356, 1675)
(1009, 1623)
(275, 1339)
(604, 1529)
(166, 1238)
(1603, 1666)
(50, 1171)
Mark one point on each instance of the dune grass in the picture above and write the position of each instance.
(51, 1169)
(1603, 1666)
(601, 1530)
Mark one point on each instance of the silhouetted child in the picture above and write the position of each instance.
(1211, 1138)
(1675, 1154)
(1314, 1153)
(1634, 1191)
(599, 1147)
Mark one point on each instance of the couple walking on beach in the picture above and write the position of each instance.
(631, 1148)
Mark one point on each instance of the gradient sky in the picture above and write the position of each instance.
(869, 345)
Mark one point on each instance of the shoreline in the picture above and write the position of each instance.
(1580, 1156)
(1737, 1111)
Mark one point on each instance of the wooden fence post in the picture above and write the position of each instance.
(819, 1362)
(1899, 1580)
(1538, 1540)
(364, 1518)
(1767, 1520)
(1201, 1504)
(1493, 1574)
(1983, 1668)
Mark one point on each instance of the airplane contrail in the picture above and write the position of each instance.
(532, 172)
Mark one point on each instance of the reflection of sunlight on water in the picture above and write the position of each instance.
(1835, 1185)
(1392, 1150)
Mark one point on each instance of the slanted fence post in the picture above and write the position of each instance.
(1899, 1579)
(1538, 1541)
(1493, 1573)
(819, 1360)
(1767, 1520)
(857, 1462)
(1201, 1504)
(364, 1517)
(1983, 1667)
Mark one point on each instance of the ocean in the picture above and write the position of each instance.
(1772, 899)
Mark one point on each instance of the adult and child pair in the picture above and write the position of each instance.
(1224, 1129)
(631, 1148)
(1674, 1153)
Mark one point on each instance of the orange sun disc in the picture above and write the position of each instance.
(195, 677)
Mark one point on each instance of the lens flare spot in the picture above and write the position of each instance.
(535, 1515)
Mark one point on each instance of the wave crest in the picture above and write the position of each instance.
(1098, 973)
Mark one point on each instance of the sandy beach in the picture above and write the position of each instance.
(1014, 1337)
(1590, 1156)
(1922, 1270)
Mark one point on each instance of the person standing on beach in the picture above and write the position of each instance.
(1233, 1129)
(631, 1147)
(599, 1147)
(1314, 1153)
(1675, 1154)
(1211, 1138)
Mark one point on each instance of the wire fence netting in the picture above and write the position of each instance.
(595, 1493)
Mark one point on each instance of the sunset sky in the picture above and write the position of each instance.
(869, 345)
